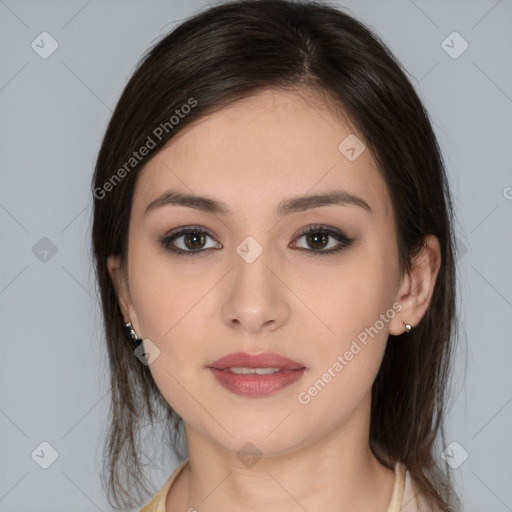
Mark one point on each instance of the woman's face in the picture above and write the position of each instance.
(251, 282)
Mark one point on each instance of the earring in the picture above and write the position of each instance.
(131, 334)
(408, 327)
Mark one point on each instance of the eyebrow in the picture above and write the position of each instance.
(285, 207)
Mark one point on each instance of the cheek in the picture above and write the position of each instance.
(174, 301)
(357, 306)
(350, 296)
(172, 311)
(162, 290)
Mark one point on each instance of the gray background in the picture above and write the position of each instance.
(54, 111)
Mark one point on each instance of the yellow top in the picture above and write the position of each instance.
(403, 499)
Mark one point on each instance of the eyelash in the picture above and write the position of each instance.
(344, 240)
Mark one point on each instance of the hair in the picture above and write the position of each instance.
(230, 52)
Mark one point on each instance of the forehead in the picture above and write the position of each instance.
(259, 150)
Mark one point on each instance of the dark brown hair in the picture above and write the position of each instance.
(227, 53)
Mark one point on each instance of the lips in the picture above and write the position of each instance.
(256, 375)
(265, 360)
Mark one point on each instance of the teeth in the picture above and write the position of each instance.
(258, 371)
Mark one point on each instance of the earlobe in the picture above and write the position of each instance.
(418, 285)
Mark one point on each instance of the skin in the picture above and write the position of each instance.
(197, 308)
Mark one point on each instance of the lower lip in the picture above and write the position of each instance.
(256, 385)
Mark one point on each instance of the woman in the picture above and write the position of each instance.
(272, 218)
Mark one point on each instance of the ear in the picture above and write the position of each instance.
(417, 286)
(118, 276)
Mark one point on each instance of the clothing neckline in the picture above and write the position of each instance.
(157, 504)
(398, 489)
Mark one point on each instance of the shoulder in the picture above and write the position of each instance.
(157, 504)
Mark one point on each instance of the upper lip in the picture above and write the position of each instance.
(265, 360)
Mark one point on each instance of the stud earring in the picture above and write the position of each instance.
(408, 327)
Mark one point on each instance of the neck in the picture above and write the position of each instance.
(339, 468)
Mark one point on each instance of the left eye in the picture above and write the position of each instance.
(320, 238)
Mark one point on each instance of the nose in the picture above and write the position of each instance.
(255, 299)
